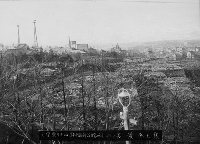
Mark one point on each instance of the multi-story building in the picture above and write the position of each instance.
(83, 47)
(73, 44)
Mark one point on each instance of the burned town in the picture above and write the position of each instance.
(100, 66)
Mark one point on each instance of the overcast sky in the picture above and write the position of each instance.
(98, 21)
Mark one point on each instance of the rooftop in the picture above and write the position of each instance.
(21, 46)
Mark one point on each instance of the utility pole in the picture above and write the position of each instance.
(69, 43)
(199, 16)
(18, 35)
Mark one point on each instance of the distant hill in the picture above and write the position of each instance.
(167, 43)
(174, 43)
(143, 45)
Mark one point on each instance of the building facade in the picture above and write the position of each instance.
(20, 49)
(83, 47)
(116, 49)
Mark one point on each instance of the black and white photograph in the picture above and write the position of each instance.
(99, 71)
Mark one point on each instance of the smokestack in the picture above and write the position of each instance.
(18, 35)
